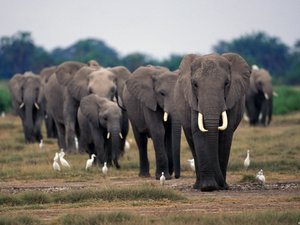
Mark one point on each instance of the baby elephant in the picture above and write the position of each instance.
(103, 129)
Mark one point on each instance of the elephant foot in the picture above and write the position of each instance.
(177, 176)
(209, 184)
(196, 185)
(144, 174)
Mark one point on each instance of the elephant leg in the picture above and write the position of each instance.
(141, 141)
(37, 127)
(61, 135)
(252, 110)
(70, 115)
(176, 141)
(189, 139)
(157, 131)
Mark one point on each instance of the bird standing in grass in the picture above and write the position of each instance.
(55, 164)
(191, 164)
(162, 178)
(104, 170)
(76, 143)
(41, 145)
(62, 160)
(247, 160)
(260, 177)
(90, 161)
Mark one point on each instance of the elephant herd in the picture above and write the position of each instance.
(205, 98)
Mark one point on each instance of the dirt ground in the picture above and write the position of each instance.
(248, 197)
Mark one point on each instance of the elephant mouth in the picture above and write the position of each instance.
(221, 128)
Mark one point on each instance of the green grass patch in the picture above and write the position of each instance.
(248, 179)
(5, 97)
(19, 220)
(262, 218)
(288, 100)
(126, 194)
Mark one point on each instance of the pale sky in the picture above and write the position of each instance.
(154, 27)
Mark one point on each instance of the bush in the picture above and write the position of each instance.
(288, 100)
(5, 98)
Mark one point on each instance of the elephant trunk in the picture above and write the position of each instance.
(211, 177)
(29, 123)
(115, 146)
(176, 138)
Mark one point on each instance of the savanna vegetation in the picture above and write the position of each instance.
(32, 193)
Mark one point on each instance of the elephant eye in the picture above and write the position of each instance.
(226, 82)
(162, 93)
(194, 83)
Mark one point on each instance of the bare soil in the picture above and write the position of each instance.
(247, 197)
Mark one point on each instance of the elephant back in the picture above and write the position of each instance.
(66, 71)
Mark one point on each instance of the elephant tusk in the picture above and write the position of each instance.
(200, 123)
(121, 136)
(21, 105)
(165, 116)
(275, 94)
(36, 106)
(108, 135)
(266, 96)
(224, 120)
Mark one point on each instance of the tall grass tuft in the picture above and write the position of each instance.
(19, 220)
(5, 98)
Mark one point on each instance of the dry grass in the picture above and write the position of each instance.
(26, 175)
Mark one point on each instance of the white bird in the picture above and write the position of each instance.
(247, 160)
(41, 144)
(55, 164)
(76, 143)
(191, 164)
(162, 178)
(90, 161)
(104, 170)
(260, 177)
(3, 114)
(127, 146)
(62, 160)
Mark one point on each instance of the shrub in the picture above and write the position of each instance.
(288, 100)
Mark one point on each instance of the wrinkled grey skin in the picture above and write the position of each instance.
(259, 98)
(27, 100)
(164, 85)
(98, 116)
(210, 85)
(55, 94)
(146, 117)
(49, 121)
(72, 82)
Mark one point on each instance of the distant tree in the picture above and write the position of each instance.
(134, 60)
(172, 62)
(85, 50)
(261, 49)
(293, 73)
(19, 54)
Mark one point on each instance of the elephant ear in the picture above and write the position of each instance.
(240, 76)
(15, 86)
(46, 73)
(66, 71)
(141, 85)
(78, 86)
(184, 79)
(122, 74)
(90, 108)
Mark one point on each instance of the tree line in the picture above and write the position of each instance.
(19, 53)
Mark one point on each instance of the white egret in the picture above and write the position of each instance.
(191, 164)
(247, 160)
(104, 170)
(90, 161)
(162, 178)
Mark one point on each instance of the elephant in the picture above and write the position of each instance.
(49, 121)
(259, 98)
(27, 100)
(73, 81)
(210, 99)
(103, 130)
(164, 85)
(145, 107)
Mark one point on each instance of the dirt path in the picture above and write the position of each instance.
(240, 198)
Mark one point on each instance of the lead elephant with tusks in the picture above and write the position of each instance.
(27, 100)
(210, 96)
